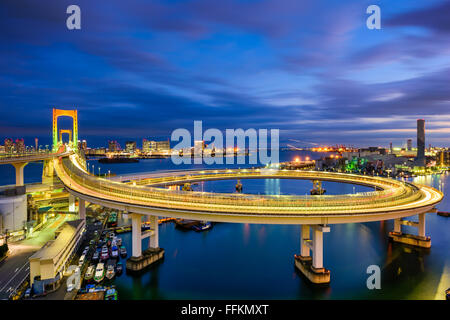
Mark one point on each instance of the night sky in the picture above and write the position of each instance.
(140, 69)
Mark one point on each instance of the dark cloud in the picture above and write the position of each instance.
(435, 18)
(144, 68)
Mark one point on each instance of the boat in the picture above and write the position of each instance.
(95, 256)
(108, 243)
(105, 254)
(89, 273)
(112, 220)
(119, 268)
(123, 252)
(118, 241)
(110, 269)
(114, 252)
(118, 160)
(110, 273)
(99, 272)
(202, 226)
(111, 294)
(186, 224)
(443, 213)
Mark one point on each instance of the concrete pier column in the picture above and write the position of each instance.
(154, 238)
(82, 208)
(421, 226)
(304, 238)
(317, 248)
(398, 225)
(19, 172)
(419, 240)
(72, 203)
(136, 220)
(312, 267)
(142, 259)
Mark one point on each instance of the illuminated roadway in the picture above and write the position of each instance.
(392, 200)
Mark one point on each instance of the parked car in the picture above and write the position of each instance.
(27, 294)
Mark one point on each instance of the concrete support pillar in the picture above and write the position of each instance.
(82, 209)
(419, 240)
(421, 227)
(397, 225)
(19, 172)
(317, 248)
(72, 203)
(136, 220)
(312, 267)
(154, 238)
(304, 238)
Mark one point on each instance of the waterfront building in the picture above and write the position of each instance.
(443, 158)
(113, 146)
(421, 143)
(130, 146)
(47, 266)
(409, 145)
(163, 145)
(148, 146)
(13, 210)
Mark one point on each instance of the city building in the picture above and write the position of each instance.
(130, 146)
(409, 145)
(443, 158)
(113, 146)
(421, 160)
(148, 146)
(82, 145)
(20, 146)
(9, 145)
(163, 145)
(47, 266)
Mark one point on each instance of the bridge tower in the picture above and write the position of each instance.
(65, 113)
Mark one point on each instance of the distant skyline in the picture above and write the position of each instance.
(141, 69)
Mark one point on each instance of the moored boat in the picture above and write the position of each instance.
(186, 224)
(202, 226)
(123, 252)
(114, 252)
(110, 272)
(119, 268)
(99, 272)
(89, 273)
(105, 254)
(111, 294)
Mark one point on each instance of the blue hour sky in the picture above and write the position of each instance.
(141, 69)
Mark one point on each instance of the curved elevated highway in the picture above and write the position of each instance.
(394, 199)
(391, 199)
